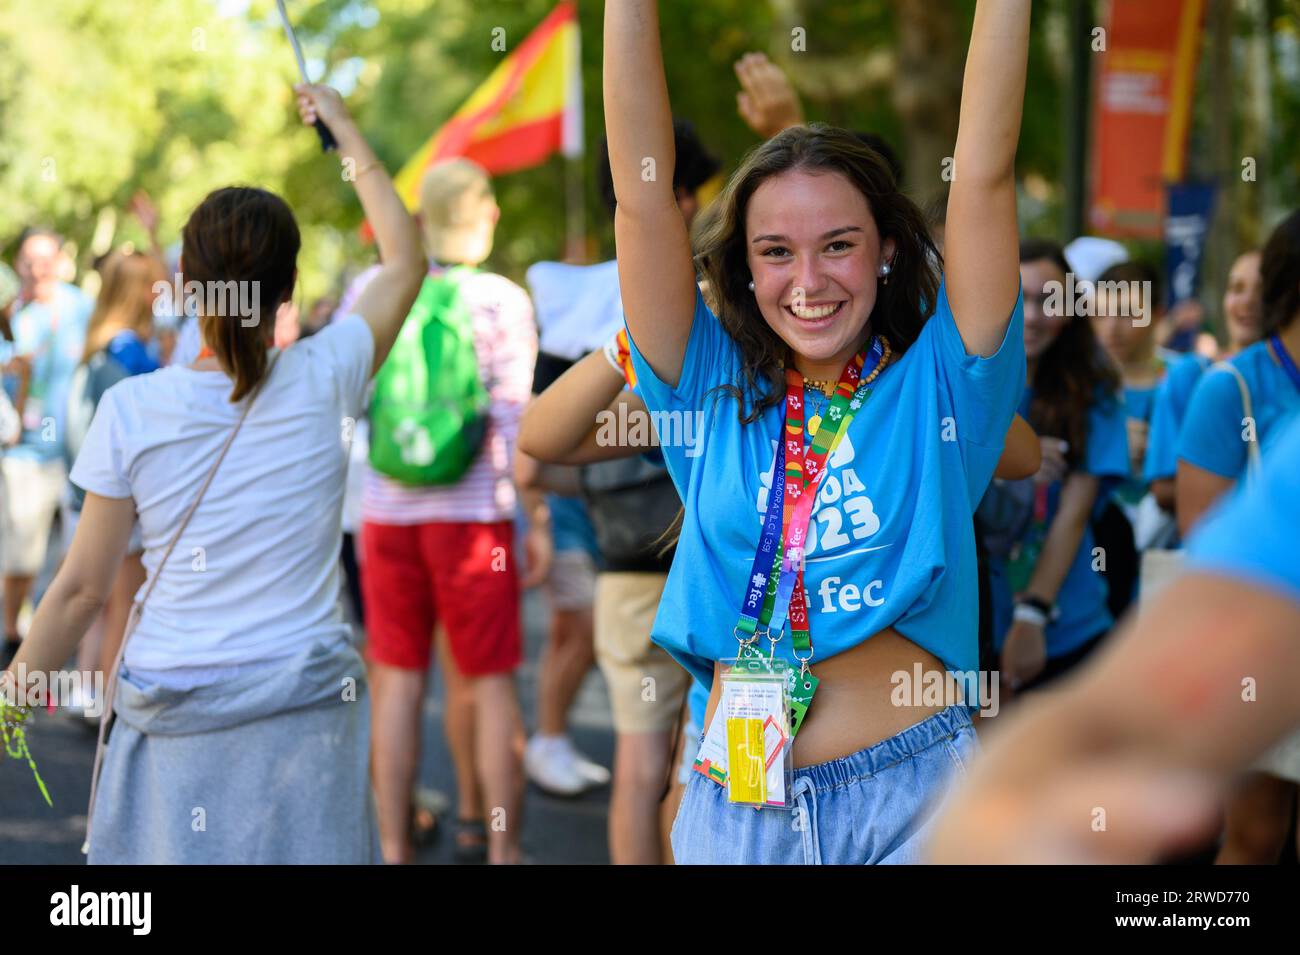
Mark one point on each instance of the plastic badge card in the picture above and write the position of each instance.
(747, 748)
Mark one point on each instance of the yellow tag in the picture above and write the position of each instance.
(814, 423)
(746, 770)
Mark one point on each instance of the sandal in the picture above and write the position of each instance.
(471, 842)
(427, 805)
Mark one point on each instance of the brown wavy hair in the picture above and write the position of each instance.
(901, 307)
(245, 235)
(1072, 375)
(1279, 270)
(125, 299)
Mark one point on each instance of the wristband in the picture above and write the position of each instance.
(1029, 613)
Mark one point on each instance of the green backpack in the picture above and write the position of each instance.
(429, 409)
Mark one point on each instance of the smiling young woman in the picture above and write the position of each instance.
(820, 269)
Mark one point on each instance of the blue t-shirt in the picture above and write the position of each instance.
(1270, 509)
(1170, 408)
(1213, 435)
(53, 336)
(890, 542)
(697, 703)
(1139, 401)
(1081, 600)
(131, 353)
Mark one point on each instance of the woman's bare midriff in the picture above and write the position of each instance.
(854, 707)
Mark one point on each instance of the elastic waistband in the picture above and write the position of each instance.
(876, 759)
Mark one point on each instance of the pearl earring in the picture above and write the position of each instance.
(751, 286)
(884, 271)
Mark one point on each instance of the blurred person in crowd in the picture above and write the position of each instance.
(10, 386)
(1152, 730)
(1242, 318)
(444, 556)
(1238, 414)
(238, 688)
(49, 329)
(1088, 256)
(319, 315)
(1127, 317)
(579, 310)
(117, 347)
(1049, 603)
(632, 503)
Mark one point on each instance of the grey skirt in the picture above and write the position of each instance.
(271, 766)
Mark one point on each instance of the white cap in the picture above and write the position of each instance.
(1090, 256)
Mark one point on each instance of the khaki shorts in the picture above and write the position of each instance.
(646, 685)
(33, 490)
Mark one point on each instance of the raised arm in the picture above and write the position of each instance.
(388, 297)
(981, 246)
(654, 252)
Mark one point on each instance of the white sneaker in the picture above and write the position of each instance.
(551, 767)
(593, 773)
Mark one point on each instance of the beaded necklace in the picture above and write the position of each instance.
(826, 388)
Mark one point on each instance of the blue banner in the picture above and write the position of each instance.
(1191, 205)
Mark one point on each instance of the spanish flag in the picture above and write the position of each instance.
(528, 108)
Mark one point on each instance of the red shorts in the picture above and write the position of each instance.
(462, 575)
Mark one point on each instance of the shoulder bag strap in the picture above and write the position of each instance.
(1247, 409)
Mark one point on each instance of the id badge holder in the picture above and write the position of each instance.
(754, 713)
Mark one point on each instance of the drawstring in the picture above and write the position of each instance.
(805, 797)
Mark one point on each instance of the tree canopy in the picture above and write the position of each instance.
(101, 100)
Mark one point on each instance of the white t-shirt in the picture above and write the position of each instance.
(579, 307)
(255, 575)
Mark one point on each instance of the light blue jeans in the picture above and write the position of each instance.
(873, 807)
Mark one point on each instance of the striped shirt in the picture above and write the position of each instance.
(505, 343)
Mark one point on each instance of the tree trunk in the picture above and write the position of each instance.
(927, 92)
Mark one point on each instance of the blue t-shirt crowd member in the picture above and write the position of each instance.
(119, 342)
(1236, 421)
(1270, 508)
(815, 259)
(1167, 413)
(1239, 412)
(1216, 436)
(1044, 620)
(889, 543)
(49, 329)
(1242, 317)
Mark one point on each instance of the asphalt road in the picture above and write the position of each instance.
(555, 830)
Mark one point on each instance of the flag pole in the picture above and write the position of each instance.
(575, 186)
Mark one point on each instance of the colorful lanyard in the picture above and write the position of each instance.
(1288, 363)
(780, 588)
(756, 611)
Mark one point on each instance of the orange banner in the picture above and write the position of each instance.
(1142, 106)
